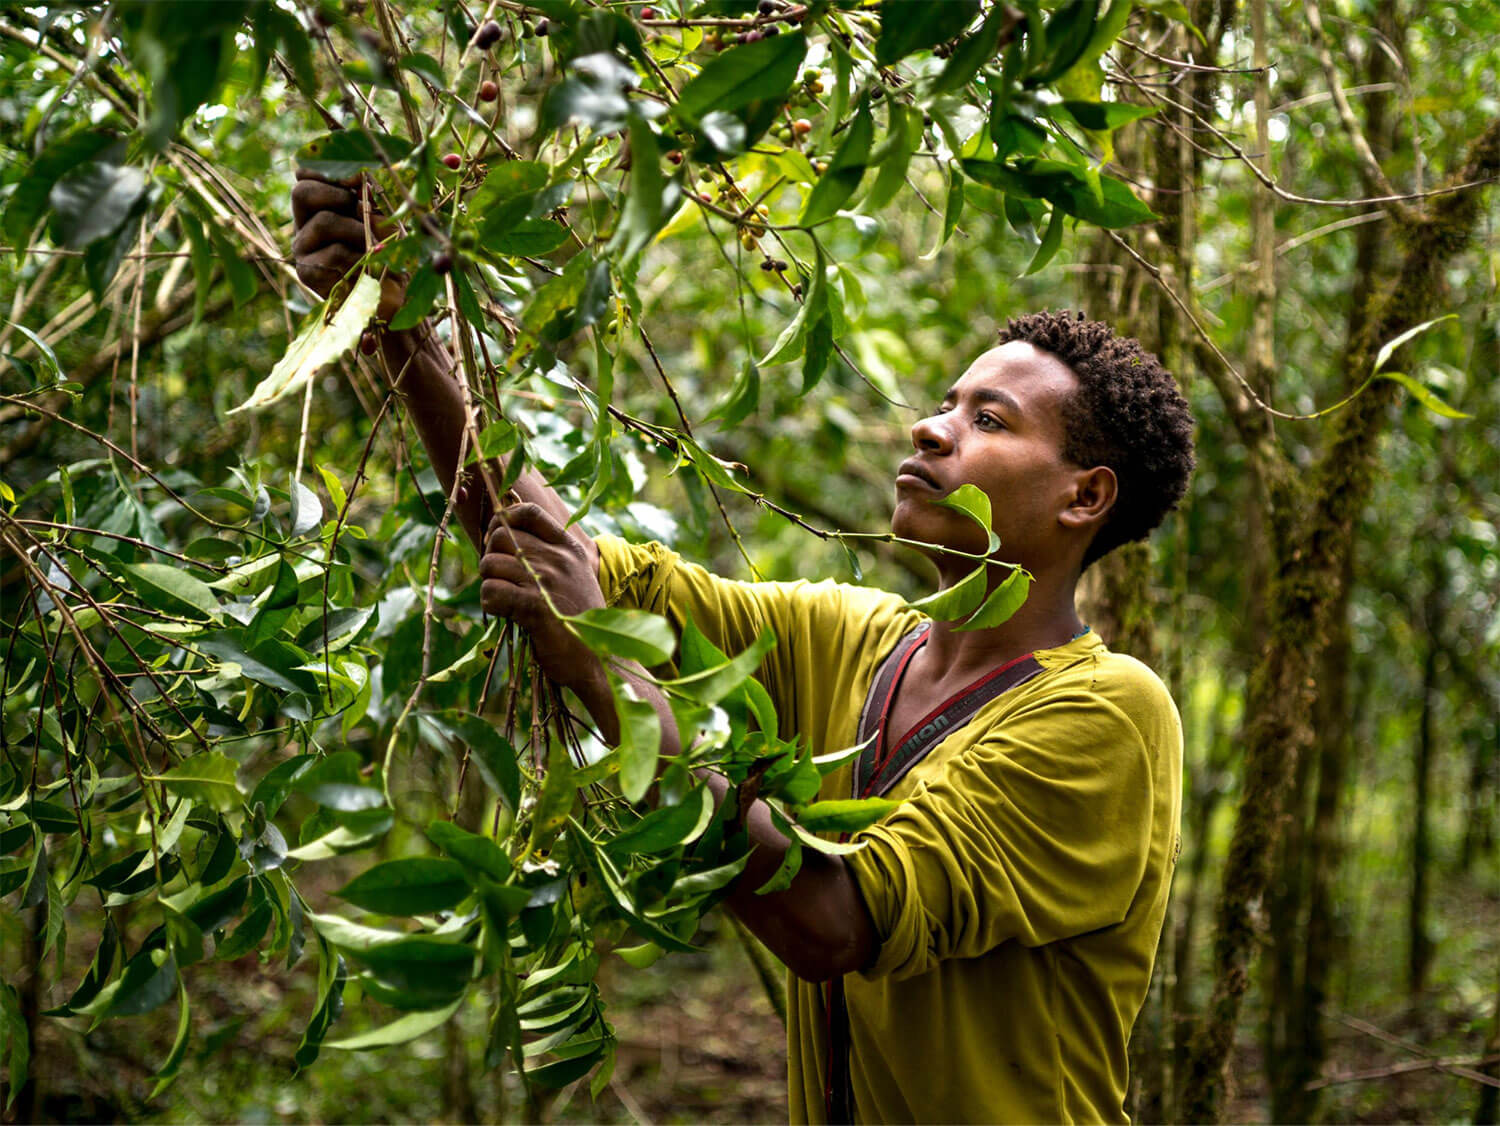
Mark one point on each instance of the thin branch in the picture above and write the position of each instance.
(1369, 167)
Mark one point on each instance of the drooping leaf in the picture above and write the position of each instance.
(844, 171)
(476, 853)
(413, 885)
(845, 815)
(633, 635)
(322, 340)
(640, 742)
(760, 71)
(1003, 601)
(207, 778)
(402, 1030)
(94, 201)
(338, 156)
(163, 586)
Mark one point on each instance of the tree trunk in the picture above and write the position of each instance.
(1418, 939)
(1312, 528)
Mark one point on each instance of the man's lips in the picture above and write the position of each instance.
(913, 471)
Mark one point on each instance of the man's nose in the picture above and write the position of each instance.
(931, 434)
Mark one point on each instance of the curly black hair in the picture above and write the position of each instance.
(1127, 414)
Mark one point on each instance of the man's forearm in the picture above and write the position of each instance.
(819, 926)
(422, 373)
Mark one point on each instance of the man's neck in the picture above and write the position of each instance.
(1047, 619)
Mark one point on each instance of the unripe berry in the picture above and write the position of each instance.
(488, 91)
(487, 36)
(453, 161)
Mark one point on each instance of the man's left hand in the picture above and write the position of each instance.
(526, 551)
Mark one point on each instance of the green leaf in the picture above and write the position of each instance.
(652, 199)
(15, 1041)
(29, 201)
(712, 685)
(415, 885)
(910, 25)
(168, 1070)
(475, 852)
(751, 72)
(743, 397)
(1067, 37)
(555, 802)
(1065, 186)
(1422, 395)
(640, 741)
(172, 589)
(633, 635)
(664, 829)
(207, 778)
(641, 956)
(278, 607)
(845, 170)
(1050, 243)
(322, 340)
(150, 978)
(491, 752)
(94, 202)
(422, 293)
(903, 138)
(307, 509)
(1004, 601)
(974, 51)
(402, 1030)
(1104, 116)
(332, 975)
(973, 502)
(418, 972)
(1389, 347)
(338, 156)
(957, 601)
(845, 815)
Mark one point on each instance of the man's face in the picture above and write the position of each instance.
(1000, 427)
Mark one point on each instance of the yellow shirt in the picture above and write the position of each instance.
(1018, 892)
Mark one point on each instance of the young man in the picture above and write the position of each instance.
(984, 956)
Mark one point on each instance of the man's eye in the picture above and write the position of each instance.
(989, 422)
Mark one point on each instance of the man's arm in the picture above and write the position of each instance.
(329, 242)
(819, 926)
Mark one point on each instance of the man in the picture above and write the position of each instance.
(984, 955)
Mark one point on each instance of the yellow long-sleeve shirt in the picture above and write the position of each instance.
(1019, 890)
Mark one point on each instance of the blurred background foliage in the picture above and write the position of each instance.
(1324, 606)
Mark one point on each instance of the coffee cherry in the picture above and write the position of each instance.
(543, 28)
(368, 344)
(768, 264)
(442, 262)
(487, 36)
(648, 13)
(453, 161)
(802, 127)
(766, 7)
(488, 91)
(675, 156)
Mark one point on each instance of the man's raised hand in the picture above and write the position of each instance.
(330, 237)
(524, 546)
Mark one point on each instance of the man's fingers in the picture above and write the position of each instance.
(508, 568)
(322, 269)
(311, 196)
(328, 227)
(533, 519)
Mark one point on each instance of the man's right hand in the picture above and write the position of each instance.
(330, 237)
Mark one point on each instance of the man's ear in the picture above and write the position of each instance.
(1094, 494)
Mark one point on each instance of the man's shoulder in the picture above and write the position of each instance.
(1089, 669)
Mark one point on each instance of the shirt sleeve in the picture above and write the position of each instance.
(1040, 830)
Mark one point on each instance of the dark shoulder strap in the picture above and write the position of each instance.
(945, 719)
(881, 687)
